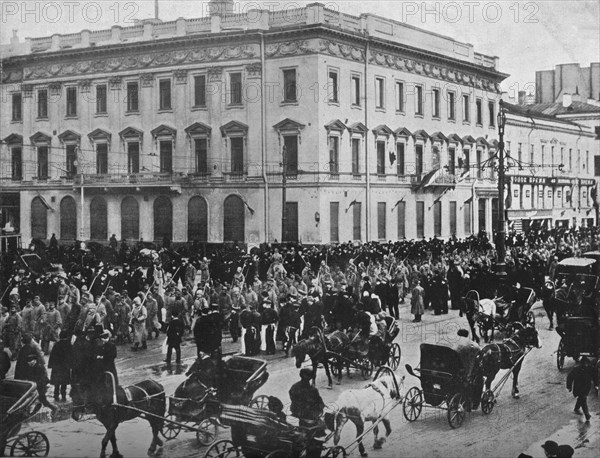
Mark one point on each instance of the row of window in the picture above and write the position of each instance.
(565, 159)
(401, 221)
(235, 97)
(532, 197)
(197, 219)
(165, 102)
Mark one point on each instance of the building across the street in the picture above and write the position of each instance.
(182, 130)
(552, 161)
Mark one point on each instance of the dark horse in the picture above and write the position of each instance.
(505, 355)
(99, 393)
(470, 308)
(316, 347)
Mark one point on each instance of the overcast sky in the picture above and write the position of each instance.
(526, 35)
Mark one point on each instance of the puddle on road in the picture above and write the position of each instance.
(583, 437)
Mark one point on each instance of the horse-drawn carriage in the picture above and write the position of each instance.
(446, 382)
(339, 349)
(18, 403)
(233, 380)
(580, 336)
(452, 375)
(498, 314)
(257, 432)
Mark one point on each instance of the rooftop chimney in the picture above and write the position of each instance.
(567, 100)
(522, 98)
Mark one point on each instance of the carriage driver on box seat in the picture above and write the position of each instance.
(307, 404)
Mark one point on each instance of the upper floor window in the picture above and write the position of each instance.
(332, 83)
(132, 96)
(289, 85)
(419, 100)
(235, 88)
(17, 163)
(334, 151)
(399, 96)
(356, 156)
(201, 155)
(479, 112)
(42, 104)
(237, 155)
(101, 158)
(466, 109)
(101, 99)
(451, 105)
(356, 90)
(71, 101)
(436, 103)
(492, 113)
(165, 148)
(200, 91)
(17, 107)
(379, 93)
(164, 89)
(380, 158)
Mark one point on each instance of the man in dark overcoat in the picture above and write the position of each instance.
(579, 382)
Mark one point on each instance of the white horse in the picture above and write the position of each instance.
(360, 406)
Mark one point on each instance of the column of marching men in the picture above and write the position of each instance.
(271, 295)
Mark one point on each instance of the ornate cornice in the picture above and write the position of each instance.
(141, 61)
(305, 41)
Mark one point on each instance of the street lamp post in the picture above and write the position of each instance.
(500, 233)
(283, 192)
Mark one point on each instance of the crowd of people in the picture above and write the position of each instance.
(271, 294)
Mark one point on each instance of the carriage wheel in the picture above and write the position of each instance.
(207, 432)
(223, 449)
(366, 369)
(336, 452)
(413, 404)
(530, 319)
(260, 402)
(170, 430)
(456, 411)
(394, 356)
(487, 402)
(32, 443)
(561, 353)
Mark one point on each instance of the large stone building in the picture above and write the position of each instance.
(178, 129)
(552, 160)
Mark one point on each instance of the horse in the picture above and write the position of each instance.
(102, 393)
(360, 406)
(316, 348)
(493, 357)
(470, 308)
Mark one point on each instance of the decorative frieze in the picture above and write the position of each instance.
(290, 48)
(126, 63)
(434, 68)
